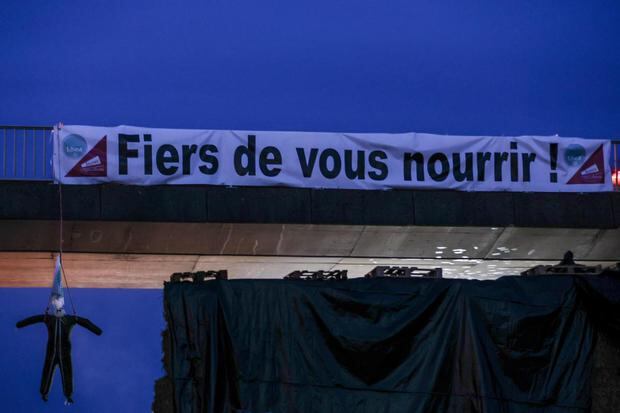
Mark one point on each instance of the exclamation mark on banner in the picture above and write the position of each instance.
(553, 151)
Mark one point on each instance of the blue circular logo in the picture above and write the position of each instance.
(74, 146)
(574, 154)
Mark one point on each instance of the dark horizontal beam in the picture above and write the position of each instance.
(39, 200)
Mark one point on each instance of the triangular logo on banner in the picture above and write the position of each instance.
(592, 171)
(94, 163)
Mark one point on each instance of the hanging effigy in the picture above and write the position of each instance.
(59, 326)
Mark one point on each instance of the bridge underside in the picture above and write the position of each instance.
(127, 236)
(144, 254)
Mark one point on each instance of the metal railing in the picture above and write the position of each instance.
(26, 153)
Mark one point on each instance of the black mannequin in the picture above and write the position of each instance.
(58, 352)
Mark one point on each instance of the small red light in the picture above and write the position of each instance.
(615, 177)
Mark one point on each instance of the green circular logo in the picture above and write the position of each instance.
(574, 154)
(74, 146)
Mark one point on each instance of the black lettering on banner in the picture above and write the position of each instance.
(167, 154)
(499, 159)
(210, 160)
(514, 162)
(249, 153)
(188, 151)
(445, 167)
(148, 155)
(481, 160)
(268, 157)
(375, 160)
(358, 172)
(468, 174)
(336, 163)
(307, 165)
(527, 159)
(553, 162)
(408, 159)
(331, 162)
(124, 152)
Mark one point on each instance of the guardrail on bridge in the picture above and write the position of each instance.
(26, 153)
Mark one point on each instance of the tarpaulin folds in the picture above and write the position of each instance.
(517, 344)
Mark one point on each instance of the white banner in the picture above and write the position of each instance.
(148, 156)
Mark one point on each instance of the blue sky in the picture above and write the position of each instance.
(114, 372)
(486, 67)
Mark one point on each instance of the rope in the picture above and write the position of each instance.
(61, 220)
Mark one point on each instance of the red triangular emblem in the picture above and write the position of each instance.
(592, 171)
(94, 163)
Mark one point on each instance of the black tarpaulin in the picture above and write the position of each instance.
(517, 344)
